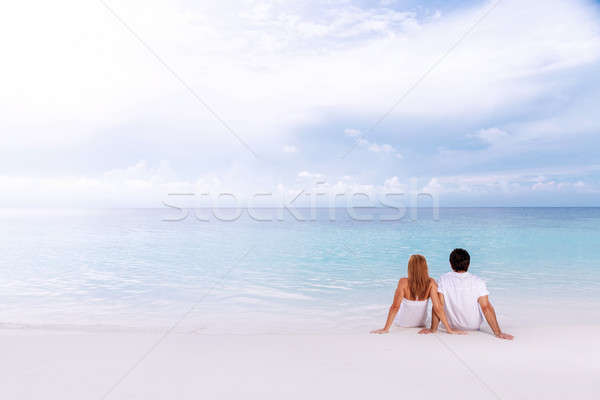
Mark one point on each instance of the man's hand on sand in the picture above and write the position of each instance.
(505, 336)
(380, 331)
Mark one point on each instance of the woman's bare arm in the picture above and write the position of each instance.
(435, 320)
(393, 309)
(438, 313)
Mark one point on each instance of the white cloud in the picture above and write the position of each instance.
(394, 184)
(521, 182)
(381, 148)
(492, 135)
(554, 186)
(372, 146)
(289, 149)
(352, 132)
(310, 175)
(136, 186)
(141, 171)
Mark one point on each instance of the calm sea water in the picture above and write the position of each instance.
(131, 268)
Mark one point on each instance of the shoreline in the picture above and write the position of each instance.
(516, 314)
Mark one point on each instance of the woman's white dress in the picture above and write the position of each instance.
(412, 313)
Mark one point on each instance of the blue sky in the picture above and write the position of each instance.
(508, 117)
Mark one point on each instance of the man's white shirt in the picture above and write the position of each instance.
(461, 291)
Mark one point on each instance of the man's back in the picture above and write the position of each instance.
(461, 292)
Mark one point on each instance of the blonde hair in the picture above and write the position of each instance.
(418, 276)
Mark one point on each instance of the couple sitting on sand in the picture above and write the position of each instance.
(459, 300)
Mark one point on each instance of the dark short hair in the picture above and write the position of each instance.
(460, 260)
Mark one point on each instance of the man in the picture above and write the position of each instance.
(463, 295)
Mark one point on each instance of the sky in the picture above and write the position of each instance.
(124, 103)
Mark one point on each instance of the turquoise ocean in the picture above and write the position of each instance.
(141, 269)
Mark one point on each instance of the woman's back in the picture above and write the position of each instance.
(413, 309)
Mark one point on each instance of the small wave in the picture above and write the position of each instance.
(274, 293)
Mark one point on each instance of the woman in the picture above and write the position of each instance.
(412, 297)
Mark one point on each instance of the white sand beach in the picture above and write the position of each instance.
(541, 363)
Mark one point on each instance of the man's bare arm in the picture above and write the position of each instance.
(490, 316)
